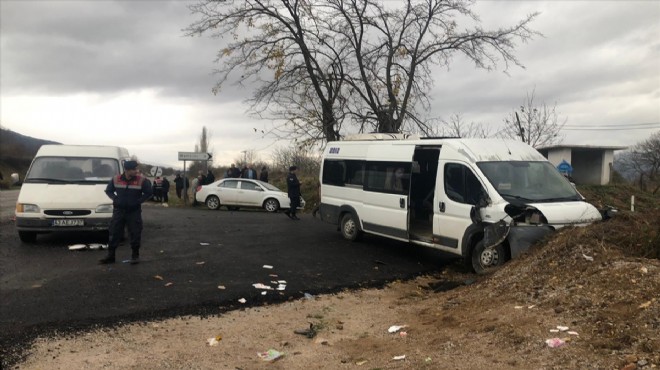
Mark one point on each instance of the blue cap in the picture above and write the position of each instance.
(130, 165)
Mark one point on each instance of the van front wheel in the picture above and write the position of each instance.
(486, 260)
(349, 227)
(27, 236)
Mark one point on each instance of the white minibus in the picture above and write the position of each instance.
(64, 189)
(485, 200)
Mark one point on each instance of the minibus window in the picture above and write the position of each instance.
(333, 172)
(461, 185)
(388, 177)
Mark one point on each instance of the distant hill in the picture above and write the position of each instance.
(16, 152)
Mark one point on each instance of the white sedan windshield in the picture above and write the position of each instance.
(529, 181)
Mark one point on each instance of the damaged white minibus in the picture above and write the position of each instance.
(485, 200)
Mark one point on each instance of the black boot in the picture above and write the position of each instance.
(135, 257)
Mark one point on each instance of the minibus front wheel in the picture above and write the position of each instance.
(486, 260)
(349, 227)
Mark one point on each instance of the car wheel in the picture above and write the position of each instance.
(27, 236)
(349, 227)
(271, 205)
(486, 260)
(213, 202)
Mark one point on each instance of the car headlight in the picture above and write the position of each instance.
(27, 208)
(104, 208)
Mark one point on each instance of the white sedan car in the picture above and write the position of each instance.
(236, 193)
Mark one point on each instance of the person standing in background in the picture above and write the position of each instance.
(263, 176)
(293, 187)
(165, 189)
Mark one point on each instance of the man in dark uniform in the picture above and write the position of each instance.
(128, 191)
(293, 186)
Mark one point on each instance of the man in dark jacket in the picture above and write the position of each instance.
(293, 187)
(210, 178)
(128, 191)
(263, 175)
(178, 182)
(165, 190)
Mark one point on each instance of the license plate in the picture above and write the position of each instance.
(68, 222)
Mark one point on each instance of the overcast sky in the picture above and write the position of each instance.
(123, 73)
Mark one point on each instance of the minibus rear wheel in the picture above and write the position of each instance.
(349, 227)
(485, 261)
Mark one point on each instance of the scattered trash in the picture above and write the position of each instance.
(214, 341)
(270, 355)
(588, 258)
(204, 243)
(644, 270)
(645, 304)
(309, 333)
(272, 275)
(158, 277)
(518, 307)
(428, 359)
(403, 334)
(399, 358)
(97, 246)
(573, 333)
(562, 328)
(554, 330)
(268, 266)
(532, 306)
(200, 263)
(395, 328)
(242, 300)
(281, 281)
(126, 261)
(264, 292)
(169, 284)
(555, 342)
(77, 247)
(221, 287)
(360, 363)
(281, 287)
(308, 296)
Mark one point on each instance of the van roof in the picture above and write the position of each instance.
(82, 151)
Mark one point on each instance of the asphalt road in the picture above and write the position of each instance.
(44, 287)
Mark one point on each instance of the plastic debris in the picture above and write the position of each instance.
(77, 247)
(644, 270)
(126, 261)
(221, 287)
(264, 292)
(281, 281)
(588, 258)
(268, 266)
(158, 277)
(270, 355)
(428, 359)
(532, 306)
(395, 328)
(399, 358)
(204, 243)
(518, 307)
(214, 341)
(281, 287)
(97, 246)
(308, 296)
(262, 286)
(554, 330)
(360, 363)
(645, 304)
(573, 333)
(242, 300)
(555, 342)
(562, 328)
(272, 275)
(200, 263)
(169, 284)
(403, 334)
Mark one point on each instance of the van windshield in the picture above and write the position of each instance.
(79, 170)
(529, 181)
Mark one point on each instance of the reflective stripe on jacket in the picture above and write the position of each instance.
(128, 194)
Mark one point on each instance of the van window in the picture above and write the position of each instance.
(388, 177)
(461, 185)
(72, 169)
(532, 181)
(343, 172)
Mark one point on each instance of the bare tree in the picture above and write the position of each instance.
(455, 126)
(320, 62)
(643, 162)
(535, 125)
(306, 159)
(247, 156)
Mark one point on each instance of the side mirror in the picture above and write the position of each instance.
(15, 178)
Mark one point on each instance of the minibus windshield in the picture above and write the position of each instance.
(78, 170)
(529, 181)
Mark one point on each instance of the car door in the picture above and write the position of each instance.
(250, 194)
(386, 189)
(227, 191)
(457, 191)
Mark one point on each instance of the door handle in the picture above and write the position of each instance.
(402, 202)
(442, 206)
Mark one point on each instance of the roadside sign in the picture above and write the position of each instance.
(156, 171)
(194, 156)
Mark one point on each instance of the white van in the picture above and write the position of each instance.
(486, 200)
(64, 189)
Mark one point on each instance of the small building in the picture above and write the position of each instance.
(591, 164)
